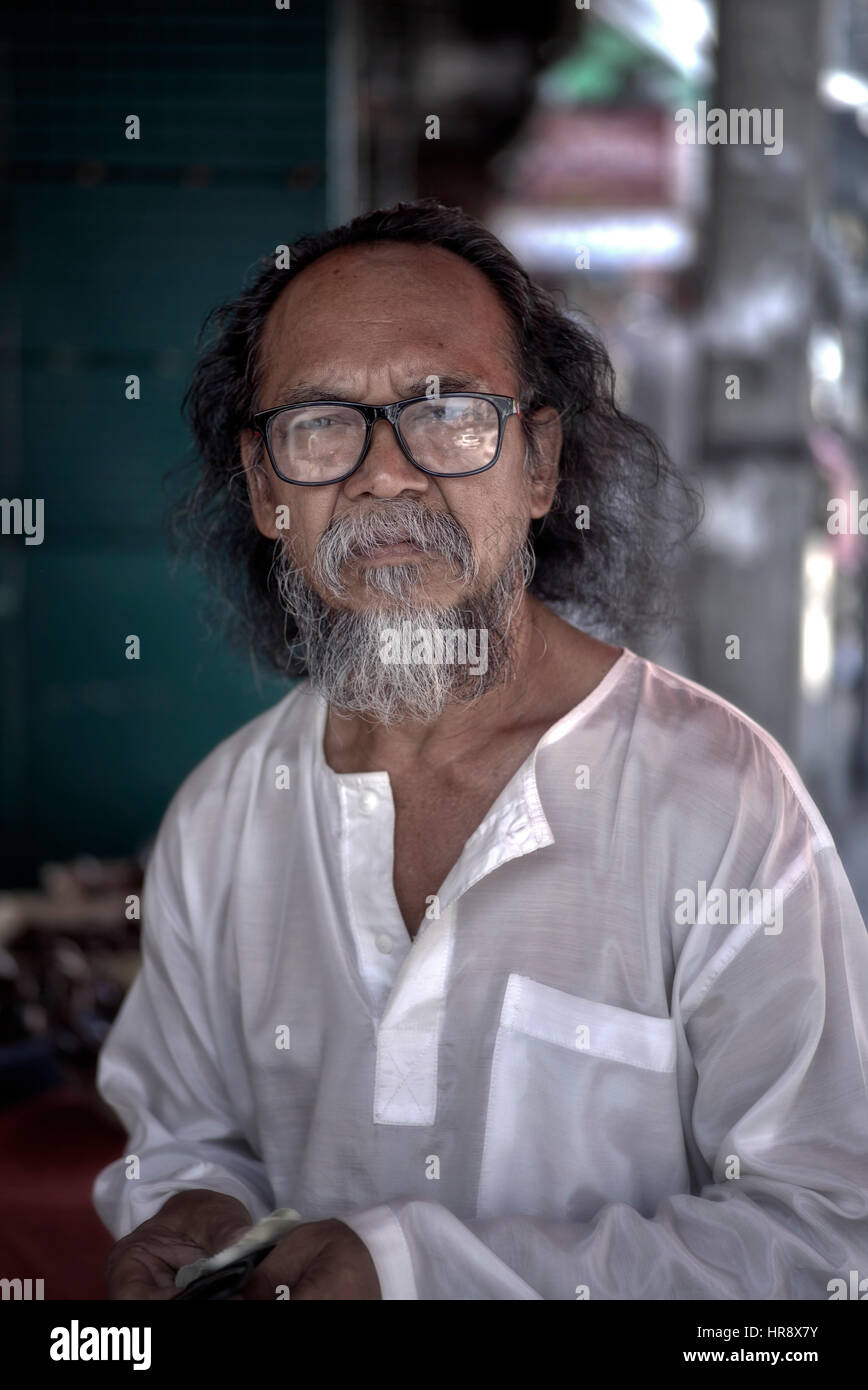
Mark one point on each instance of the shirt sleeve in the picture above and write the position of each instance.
(775, 1026)
(158, 1070)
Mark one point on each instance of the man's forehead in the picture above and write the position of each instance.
(321, 340)
(336, 382)
(425, 290)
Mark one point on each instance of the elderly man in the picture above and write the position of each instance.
(521, 967)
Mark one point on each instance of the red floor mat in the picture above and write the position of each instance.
(51, 1149)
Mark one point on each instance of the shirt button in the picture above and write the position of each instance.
(384, 943)
(367, 802)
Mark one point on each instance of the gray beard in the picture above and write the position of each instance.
(344, 650)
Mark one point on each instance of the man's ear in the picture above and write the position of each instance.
(548, 438)
(259, 484)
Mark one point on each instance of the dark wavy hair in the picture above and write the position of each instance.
(608, 576)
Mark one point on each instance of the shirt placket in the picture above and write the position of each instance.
(409, 1031)
(368, 836)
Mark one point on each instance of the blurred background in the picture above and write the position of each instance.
(731, 287)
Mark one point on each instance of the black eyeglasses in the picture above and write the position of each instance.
(320, 442)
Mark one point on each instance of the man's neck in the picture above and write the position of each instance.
(550, 661)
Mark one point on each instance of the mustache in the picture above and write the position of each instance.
(358, 534)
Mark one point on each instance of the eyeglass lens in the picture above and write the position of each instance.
(446, 434)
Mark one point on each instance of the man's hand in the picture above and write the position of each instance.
(318, 1260)
(188, 1226)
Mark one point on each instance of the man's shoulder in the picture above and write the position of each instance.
(229, 772)
(197, 842)
(696, 738)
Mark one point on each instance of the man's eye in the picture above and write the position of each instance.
(319, 422)
(449, 411)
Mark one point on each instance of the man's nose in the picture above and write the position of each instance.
(386, 470)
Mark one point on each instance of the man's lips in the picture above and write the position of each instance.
(392, 548)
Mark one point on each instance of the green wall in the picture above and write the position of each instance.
(113, 252)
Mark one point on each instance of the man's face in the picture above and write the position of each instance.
(374, 325)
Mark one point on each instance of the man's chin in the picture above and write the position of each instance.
(390, 703)
(396, 663)
(400, 656)
(378, 606)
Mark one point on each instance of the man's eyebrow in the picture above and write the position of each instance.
(300, 391)
(303, 391)
(453, 381)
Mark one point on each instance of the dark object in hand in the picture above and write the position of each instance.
(222, 1283)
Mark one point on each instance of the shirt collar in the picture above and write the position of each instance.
(516, 823)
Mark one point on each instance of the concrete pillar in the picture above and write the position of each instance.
(757, 311)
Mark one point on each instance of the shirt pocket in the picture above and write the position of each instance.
(582, 1108)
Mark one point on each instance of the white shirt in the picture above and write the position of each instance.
(561, 1088)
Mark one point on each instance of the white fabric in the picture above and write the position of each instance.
(559, 1089)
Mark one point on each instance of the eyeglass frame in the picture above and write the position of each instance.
(506, 406)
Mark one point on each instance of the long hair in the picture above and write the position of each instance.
(607, 574)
